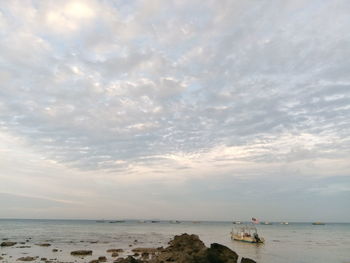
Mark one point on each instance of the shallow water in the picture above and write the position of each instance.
(296, 242)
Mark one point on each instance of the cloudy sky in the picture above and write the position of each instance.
(213, 110)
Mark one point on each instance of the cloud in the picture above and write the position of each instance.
(170, 91)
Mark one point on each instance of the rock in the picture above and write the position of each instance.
(8, 244)
(81, 253)
(113, 250)
(23, 247)
(190, 249)
(94, 261)
(144, 250)
(1, 258)
(102, 259)
(43, 244)
(55, 250)
(129, 259)
(27, 258)
(115, 254)
(247, 260)
(221, 254)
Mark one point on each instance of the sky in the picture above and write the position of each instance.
(189, 110)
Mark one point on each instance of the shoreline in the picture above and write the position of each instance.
(181, 248)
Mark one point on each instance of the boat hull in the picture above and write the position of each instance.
(246, 239)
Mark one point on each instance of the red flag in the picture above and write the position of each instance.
(255, 221)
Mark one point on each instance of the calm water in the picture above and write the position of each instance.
(296, 242)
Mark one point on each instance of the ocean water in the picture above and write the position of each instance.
(293, 243)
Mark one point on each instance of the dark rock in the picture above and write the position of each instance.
(220, 254)
(24, 247)
(190, 249)
(43, 244)
(145, 249)
(8, 244)
(115, 254)
(102, 259)
(247, 260)
(55, 250)
(94, 261)
(27, 258)
(129, 259)
(81, 253)
(113, 250)
(1, 258)
(43, 259)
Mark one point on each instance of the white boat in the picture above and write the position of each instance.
(246, 233)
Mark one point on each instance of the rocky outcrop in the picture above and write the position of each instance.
(8, 244)
(184, 248)
(81, 253)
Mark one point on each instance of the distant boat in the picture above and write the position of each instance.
(247, 234)
(117, 221)
(237, 222)
(266, 223)
(155, 221)
(318, 223)
(284, 223)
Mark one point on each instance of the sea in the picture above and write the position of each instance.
(292, 243)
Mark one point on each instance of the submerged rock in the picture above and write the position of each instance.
(27, 258)
(8, 244)
(115, 250)
(102, 259)
(81, 253)
(43, 244)
(144, 250)
(115, 254)
(129, 259)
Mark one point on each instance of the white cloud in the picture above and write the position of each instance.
(167, 91)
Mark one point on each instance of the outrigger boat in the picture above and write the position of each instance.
(246, 233)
